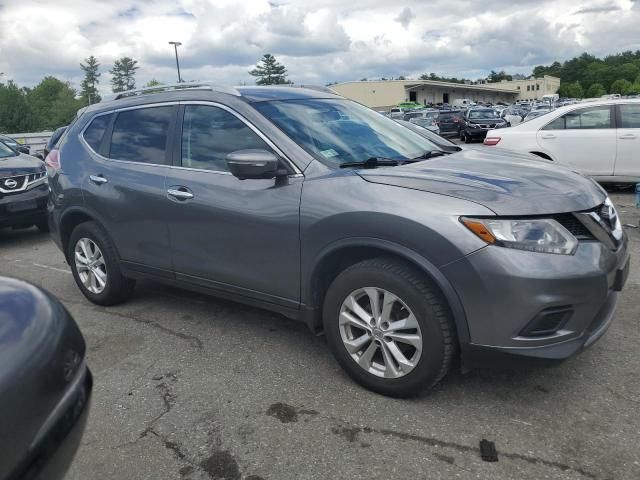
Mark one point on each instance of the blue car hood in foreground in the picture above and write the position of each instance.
(509, 183)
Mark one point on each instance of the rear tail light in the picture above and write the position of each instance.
(53, 159)
(491, 140)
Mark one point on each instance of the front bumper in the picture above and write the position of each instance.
(24, 209)
(503, 290)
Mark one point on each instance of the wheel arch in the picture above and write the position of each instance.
(341, 254)
(70, 220)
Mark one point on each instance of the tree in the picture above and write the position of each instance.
(620, 86)
(495, 77)
(123, 74)
(571, 90)
(270, 72)
(595, 90)
(89, 91)
(153, 83)
(52, 104)
(14, 111)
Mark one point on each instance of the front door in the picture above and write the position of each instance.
(239, 236)
(628, 159)
(124, 183)
(445, 98)
(583, 139)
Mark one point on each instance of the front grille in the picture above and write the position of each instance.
(574, 226)
(19, 183)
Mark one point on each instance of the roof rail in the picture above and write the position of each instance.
(175, 86)
(317, 88)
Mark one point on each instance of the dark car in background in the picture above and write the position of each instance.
(23, 190)
(12, 143)
(45, 385)
(441, 142)
(51, 143)
(478, 121)
(450, 122)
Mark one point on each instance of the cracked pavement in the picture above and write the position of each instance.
(191, 387)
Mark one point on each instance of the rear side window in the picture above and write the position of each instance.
(585, 118)
(210, 133)
(630, 116)
(140, 135)
(95, 131)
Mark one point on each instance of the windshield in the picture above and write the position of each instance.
(342, 131)
(6, 151)
(484, 113)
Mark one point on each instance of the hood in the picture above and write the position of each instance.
(20, 165)
(509, 183)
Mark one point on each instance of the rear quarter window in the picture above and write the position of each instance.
(94, 133)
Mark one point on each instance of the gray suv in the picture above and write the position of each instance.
(408, 257)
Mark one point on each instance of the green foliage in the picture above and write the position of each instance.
(153, 83)
(49, 105)
(589, 70)
(571, 90)
(123, 74)
(498, 76)
(596, 90)
(433, 76)
(270, 72)
(88, 87)
(621, 86)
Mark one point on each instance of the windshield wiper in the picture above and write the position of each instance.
(431, 154)
(373, 162)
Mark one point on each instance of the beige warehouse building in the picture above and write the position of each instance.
(384, 94)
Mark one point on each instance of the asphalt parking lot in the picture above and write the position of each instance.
(191, 387)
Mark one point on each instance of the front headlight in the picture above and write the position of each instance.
(534, 235)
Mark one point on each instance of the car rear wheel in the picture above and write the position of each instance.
(467, 138)
(389, 327)
(95, 266)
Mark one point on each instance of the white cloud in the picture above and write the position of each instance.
(322, 41)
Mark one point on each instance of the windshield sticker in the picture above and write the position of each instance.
(329, 153)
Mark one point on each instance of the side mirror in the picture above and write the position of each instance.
(22, 149)
(253, 164)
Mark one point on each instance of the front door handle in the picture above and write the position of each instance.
(627, 136)
(548, 135)
(180, 193)
(98, 179)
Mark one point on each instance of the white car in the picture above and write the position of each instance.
(600, 139)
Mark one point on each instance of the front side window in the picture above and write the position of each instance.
(585, 118)
(341, 131)
(94, 133)
(630, 115)
(140, 135)
(210, 133)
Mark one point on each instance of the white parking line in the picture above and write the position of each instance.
(49, 267)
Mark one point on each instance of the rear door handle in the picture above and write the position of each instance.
(627, 136)
(98, 179)
(548, 135)
(180, 193)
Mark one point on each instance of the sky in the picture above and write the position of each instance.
(319, 41)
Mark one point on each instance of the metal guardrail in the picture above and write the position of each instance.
(35, 141)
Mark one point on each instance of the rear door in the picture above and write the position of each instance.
(628, 138)
(238, 236)
(583, 139)
(124, 183)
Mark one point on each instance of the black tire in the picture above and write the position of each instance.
(467, 138)
(426, 302)
(43, 226)
(118, 288)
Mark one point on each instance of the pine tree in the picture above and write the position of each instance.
(270, 72)
(89, 90)
(123, 74)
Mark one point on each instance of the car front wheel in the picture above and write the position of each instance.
(389, 327)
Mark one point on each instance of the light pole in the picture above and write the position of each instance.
(175, 46)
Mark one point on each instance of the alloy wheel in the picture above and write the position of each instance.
(90, 265)
(380, 332)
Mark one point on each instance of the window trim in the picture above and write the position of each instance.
(612, 117)
(173, 132)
